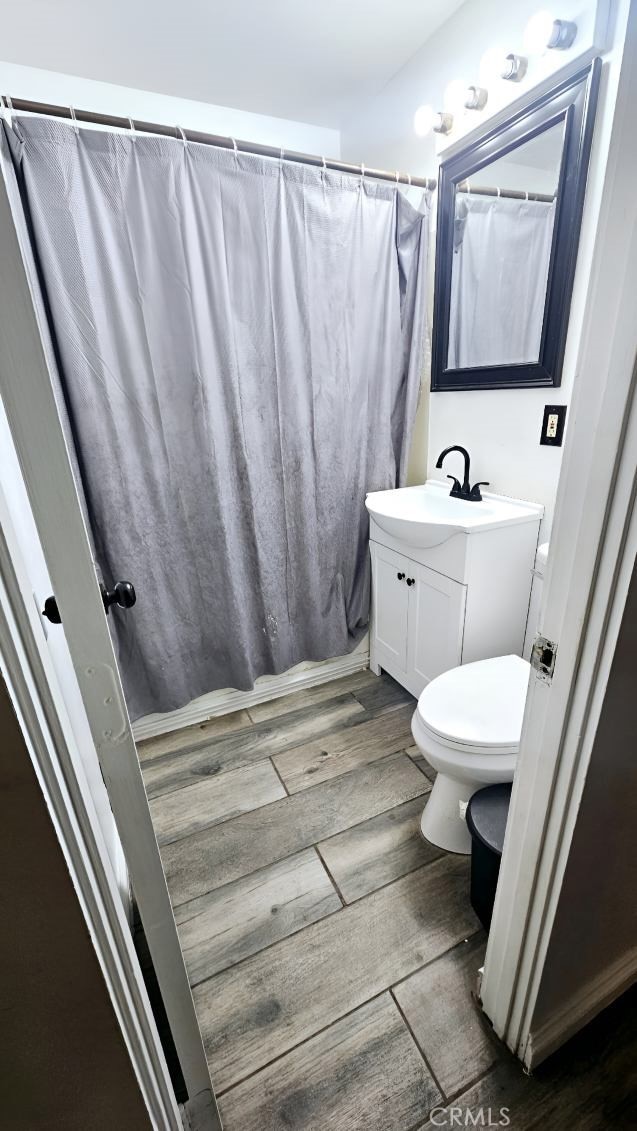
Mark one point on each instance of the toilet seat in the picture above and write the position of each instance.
(478, 707)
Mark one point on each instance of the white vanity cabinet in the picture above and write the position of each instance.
(417, 619)
(463, 598)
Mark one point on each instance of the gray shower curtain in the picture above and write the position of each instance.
(239, 343)
(502, 250)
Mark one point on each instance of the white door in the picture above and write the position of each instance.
(390, 610)
(436, 625)
(29, 403)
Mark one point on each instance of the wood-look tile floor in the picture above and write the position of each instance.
(332, 953)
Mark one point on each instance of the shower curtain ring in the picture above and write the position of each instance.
(397, 177)
(409, 179)
(182, 134)
(497, 189)
(75, 125)
(131, 126)
(236, 149)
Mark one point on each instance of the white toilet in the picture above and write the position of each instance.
(467, 725)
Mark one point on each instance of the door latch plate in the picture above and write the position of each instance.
(543, 658)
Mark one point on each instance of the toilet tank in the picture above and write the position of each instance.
(538, 571)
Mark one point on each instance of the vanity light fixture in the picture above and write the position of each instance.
(545, 31)
(496, 64)
(513, 68)
(443, 122)
(427, 119)
(475, 97)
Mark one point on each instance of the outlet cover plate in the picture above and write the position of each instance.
(553, 425)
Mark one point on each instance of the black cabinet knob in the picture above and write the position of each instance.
(400, 576)
(411, 580)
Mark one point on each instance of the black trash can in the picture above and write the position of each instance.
(486, 818)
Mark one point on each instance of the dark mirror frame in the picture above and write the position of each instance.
(571, 101)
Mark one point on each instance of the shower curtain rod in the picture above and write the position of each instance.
(514, 194)
(53, 111)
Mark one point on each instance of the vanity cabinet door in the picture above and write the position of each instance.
(390, 608)
(436, 625)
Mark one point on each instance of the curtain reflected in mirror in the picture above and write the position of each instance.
(502, 239)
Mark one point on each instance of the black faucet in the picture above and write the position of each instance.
(471, 494)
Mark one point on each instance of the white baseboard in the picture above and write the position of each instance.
(271, 687)
(578, 1010)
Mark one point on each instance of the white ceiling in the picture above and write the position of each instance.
(308, 60)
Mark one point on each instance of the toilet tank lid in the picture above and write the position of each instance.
(541, 558)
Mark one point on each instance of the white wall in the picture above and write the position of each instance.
(500, 428)
(107, 98)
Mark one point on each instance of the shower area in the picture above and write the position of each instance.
(238, 343)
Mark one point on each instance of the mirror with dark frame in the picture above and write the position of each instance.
(509, 214)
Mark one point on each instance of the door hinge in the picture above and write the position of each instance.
(543, 658)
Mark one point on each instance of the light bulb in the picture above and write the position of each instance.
(492, 65)
(544, 30)
(424, 120)
(454, 96)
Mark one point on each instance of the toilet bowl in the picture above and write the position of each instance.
(467, 725)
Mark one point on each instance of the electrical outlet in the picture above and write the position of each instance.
(553, 425)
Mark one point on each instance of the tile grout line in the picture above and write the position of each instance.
(293, 1048)
(219, 820)
(298, 792)
(271, 758)
(330, 876)
(277, 721)
(336, 1020)
(307, 848)
(414, 762)
(365, 716)
(453, 1096)
(449, 949)
(198, 779)
(306, 927)
(419, 1050)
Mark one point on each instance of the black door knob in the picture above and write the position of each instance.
(400, 576)
(51, 611)
(122, 594)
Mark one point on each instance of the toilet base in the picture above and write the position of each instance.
(443, 822)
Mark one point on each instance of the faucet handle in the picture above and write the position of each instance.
(475, 494)
(456, 490)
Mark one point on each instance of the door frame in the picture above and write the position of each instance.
(593, 547)
(27, 390)
(39, 705)
(582, 601)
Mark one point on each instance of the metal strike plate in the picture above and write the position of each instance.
(543, 658)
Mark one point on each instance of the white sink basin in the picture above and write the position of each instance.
(427, 516)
